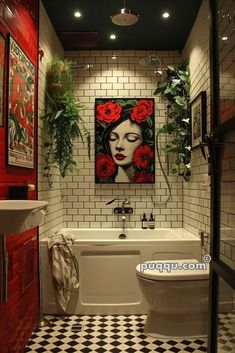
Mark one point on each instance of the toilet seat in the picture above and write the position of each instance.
(158, 270)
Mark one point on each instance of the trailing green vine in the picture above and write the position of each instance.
(62, 121)
(175, 87)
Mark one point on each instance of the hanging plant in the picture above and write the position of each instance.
(175, 88)
(62, 121)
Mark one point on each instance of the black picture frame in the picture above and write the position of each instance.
(20, 107)
(2, 76)
(198, 119)
(132, 121)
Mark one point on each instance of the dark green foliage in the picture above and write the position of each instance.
(62, 120)
(175, 87)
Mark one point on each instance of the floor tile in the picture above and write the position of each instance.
(106, 334)
(226, 332)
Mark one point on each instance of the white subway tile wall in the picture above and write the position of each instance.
(84, 201)
(51, 46)
(196, 193)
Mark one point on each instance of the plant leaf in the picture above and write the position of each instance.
(175, 88)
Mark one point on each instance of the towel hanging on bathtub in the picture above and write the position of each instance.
(64, 267)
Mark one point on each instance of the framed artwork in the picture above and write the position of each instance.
(124, 140)
(2, 65)
(198, 119)
(21, 114)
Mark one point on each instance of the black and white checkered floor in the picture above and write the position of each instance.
(104, 334)
(226, 333)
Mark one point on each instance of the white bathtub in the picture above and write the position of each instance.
(108, 283)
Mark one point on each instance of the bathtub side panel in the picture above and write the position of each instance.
(108, 282)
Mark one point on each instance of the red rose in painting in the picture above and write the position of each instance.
(105, 166)
(143, 156)
(143, 176)
(148, 104)
(108, 112)
(143, 109)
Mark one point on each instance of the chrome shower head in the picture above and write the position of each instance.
(153, 62)
(81, 66)
(124, 17)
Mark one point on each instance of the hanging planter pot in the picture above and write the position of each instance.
(54, 85)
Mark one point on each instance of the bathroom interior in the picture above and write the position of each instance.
(125, 292)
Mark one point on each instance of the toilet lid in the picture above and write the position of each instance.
(173, 270)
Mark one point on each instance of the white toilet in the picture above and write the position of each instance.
(178, 299)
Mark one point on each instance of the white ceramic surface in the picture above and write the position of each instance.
(107, 267)
(17, 216)
(98, 235)
(178, 307)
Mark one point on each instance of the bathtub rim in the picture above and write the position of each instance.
(187, 236)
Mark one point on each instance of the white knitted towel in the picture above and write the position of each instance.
(64, 267)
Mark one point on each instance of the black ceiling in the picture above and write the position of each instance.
(92, 30)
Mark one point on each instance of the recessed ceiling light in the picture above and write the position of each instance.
(112, 36)
(114, 57)
(77, 14)
(224, 38)
(165, 14)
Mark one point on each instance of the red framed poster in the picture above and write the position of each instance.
(21, 114)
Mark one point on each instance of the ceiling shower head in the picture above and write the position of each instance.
(124, 17)
(150, 61)
(81, 66)
(154, 62)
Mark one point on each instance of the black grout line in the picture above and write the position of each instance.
(104, 334)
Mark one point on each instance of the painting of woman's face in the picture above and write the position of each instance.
(123, 140)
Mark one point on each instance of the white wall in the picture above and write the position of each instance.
(51, 46)
(196, 193)
(84, 201)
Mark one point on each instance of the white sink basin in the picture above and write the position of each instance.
(16, 216)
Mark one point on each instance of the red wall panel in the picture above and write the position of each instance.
(17, 317)
(20, 19)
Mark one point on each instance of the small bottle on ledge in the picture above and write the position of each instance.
(144, 222)
(151, 222)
